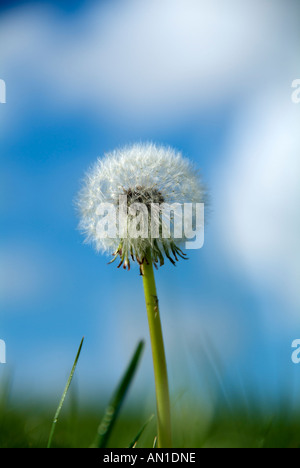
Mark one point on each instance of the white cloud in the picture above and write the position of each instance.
(259, 195)
(150, 60)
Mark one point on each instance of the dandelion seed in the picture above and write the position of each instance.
(142, 174)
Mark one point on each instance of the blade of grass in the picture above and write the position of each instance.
(137, 437)
(114, 406)
(64, 395)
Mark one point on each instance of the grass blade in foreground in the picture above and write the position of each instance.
(116, 402)
(64, 395)
(137, 437)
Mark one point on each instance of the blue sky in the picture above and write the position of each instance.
(195, 75)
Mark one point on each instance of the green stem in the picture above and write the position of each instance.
(158, 355)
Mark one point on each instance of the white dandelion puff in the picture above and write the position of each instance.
(143, 177)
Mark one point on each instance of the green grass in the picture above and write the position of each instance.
(193, 427)
(233, 420)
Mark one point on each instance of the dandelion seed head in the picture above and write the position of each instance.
(147, 174)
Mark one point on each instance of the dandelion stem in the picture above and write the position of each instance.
(158, 355)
